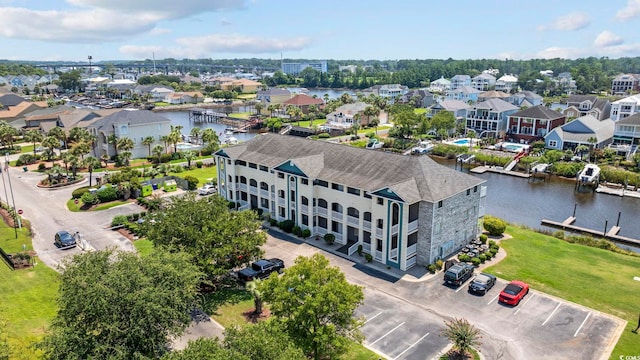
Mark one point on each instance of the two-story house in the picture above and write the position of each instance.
(456, 107)
(580, 105)
(459, 81)
(525, 98)
(403, 210)
(532, 124)
(441, 85)
(489, 118)
(507, 83)
(467, 94)
(273, 96)
(626, 107)
(585, 130)
(343, 116)
(624, 84)
(483, 82)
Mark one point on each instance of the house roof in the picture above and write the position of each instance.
(131, 117)
(508, 78)
(466, 90)
(585, 127)
(12, 112)
(302, 100)
(629, 99)
(11, 100)
(494, 94)
(630, 120)
(452, 105)
(413, 178)
(73, 119)
(538, 112)
(577, 99)
(498, 105)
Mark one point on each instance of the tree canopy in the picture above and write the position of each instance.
(217, 238)
(315, 304)
(116, 305)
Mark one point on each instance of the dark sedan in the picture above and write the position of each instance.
(482, 283)
(64, 239)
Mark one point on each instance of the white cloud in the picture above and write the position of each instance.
(160, 31)
(570, 22)
(630, 11)
(165, 8)
(560, 52)
(607, 38)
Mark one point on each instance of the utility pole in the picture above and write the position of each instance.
(90, 58)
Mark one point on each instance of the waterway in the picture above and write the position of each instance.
(333, 94)
(182, 118)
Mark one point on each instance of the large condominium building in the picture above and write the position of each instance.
(626, 107)
(296, 68)
(403, 210)
(625, 84)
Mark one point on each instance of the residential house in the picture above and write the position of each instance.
(580, 105)
(467, 94)
(387, 91)
(623, 108)
(626, 135)
(525, 98)
(493, 94)
(403, 210)
(585, 130)
(420, 98)
(483, 82)
(456, 107)
(244, 85)
(507, 83)
(273, 96)
(50, 114)
(134, 124)
(625, 84)
(303, 102)
(191, 97)
(441, 85)
(15, 107)
(343, 116)
(565, 82)
(489, 118)
(532, 124)
(459, 81)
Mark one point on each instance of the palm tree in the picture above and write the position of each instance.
(462, 334)
(195, 134)
(375, 122)
(356, 124)
(209, 137)
(80, 149)
(126, 145)
(471, 135)
(148, 141)
(105, 158)
(113, 139)
(325, 97)
(189, 156)
(59, 134)
(294, 112)
(77, 134)
(51, 143)
(592, 141)
(157, 151)
(91, 163)
(66, 158)
(165, 140)
(33, 136)
(258, 106)
(174, 138)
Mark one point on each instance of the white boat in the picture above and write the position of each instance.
(590, 173)
(375, 144)
(228, 131)
(423, 147)
(231, 140)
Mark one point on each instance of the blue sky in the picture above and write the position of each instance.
(71, 30)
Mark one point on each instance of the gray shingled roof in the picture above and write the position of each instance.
(538, 112)
(580, 98)
(630, 120)
(413, 178)
(591, 126)
(11, 100)
(496, 104)
(131, 117)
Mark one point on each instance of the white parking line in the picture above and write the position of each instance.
(492, 300)
(523, 304)
(373, 317)
(412, 345)
(581, 325)
(460, 287)
(388, 332)
(550, 315)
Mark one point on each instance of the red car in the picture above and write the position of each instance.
(514, 292)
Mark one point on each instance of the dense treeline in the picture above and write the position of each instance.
(19, 69)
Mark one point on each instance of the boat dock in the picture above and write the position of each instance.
(498, 170)
(611, 234)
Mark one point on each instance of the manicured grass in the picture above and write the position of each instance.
(27, 298)
(246, 96)
(307, 123)
(143, 246)
(202, 174)
(27, 149)
(244, 115)
(73, 207)
(420, 111)
(592, 277)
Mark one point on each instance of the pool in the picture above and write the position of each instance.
(512, 147)
(187, 146)
(461, 142)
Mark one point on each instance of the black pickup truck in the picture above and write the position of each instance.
(260, 269)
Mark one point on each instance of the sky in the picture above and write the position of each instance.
(73, 30)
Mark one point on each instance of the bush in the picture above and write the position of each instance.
(329, 238)
(482, 258)
(26, 159)
(306, 233)
(475, 261)
(464, 257)
(77, 193)
(439, 263)
(165, 158)
(493, 251)
(297, 231)
(231, 205)
(273, 222)
(109, 193)
(199, 164)
(559, 234)
(42, 167)
(324, 136)
(368, 257)
(488, 254)
(119, 220)
(89, 199)
(359, 249)
(432, 268)
(193, 182)
(287, 226)
(492, 242)
(494, 225)
(483, 238)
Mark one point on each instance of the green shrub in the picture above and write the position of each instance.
(119, 220)
(273, 222)
(108, 193)
(89, 199)
(26, 159)
(287, 225)
(439, 263)
(475, 261)
(492, 242)
(368, 257)
(77, 193)
(559, 234)
(306, 233)
(231, 204)
(324, 136)
(488, 254)
(192, 181)
(482, 258)
(432, 268)
(297, 231)
(199, 164)
(142, 201)
(483, 238)
(464, 257)
(165, 158)
(494, 225)
(493, 251)
(359, 249)
(42, 167)
(329, 238)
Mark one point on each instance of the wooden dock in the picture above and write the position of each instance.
(611, 234)
(498, 170)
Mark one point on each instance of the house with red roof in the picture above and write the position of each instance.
(303, 102)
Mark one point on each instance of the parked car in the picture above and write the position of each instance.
(260, 269)
(207, 190)
(64, 239)
(514, 292)
(482, 283)
(458, 274)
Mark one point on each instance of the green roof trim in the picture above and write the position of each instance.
(388, 193)
(291, 168)
(222, 153)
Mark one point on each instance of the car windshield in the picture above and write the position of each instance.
(481, 280)
(512, 289)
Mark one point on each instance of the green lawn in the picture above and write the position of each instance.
(26, 149)
(27, 298)
(246, 96)
(244, 115)
(143, 246)
(592, 277)
(307, 123)
(203, 174)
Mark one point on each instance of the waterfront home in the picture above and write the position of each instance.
(441, 85)
(624, 84)
(493, 94)
(191, 97)
(626, 107)
(532, 124)
(35, 118)
(525, 98)
(483, 82)
(244, 85)
(15, 107)
(585, 130)
(626, 135)
(419, 98)
(467, 94)
(459, 81)
(387, 91)
(489, 118)
(506, 83)
(273, 96)
(343, 116)
(456, 107)
(403, 210)
(303, 102)
(133, 124)
(580, 105)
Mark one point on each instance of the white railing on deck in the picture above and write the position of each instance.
(242, 187)
(264, 194)
(353, 248)
(394, 229)
(378, 233)
(336, 216)
(366, 225)
(413, 226)
(378, 255)
(353, 220)
(412, 249)
(253, 190)
(281, 201)
(321, 211)
(305, 209)
(394, 253)
(411, 262)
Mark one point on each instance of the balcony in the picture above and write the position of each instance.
(304, 209)
(253, 190)
(413, 226)
(366, 248)
(242, 187)
(336, 216)
(412, 249)
(281, 201)
(264, 194)
(366, 225)
(395, 229)
(394, 253)
(411, 262)
(378, 255)
(378, 233)
(321, 211)
(351, 220)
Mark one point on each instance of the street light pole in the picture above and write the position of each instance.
(16, 218)
(90, 58)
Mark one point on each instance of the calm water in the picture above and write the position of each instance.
(182, 118)
(333, 94)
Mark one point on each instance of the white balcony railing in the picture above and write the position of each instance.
(253, 190)
(319, 231)
(321, 211)
(353, 248)
(413, 226)
(411, 262)
(394, 253)
(394, 229)
(379, 233)
(304, 209)
(366, 225)
(242, 187)
(378, 255)
(366, 248)
(264, 194)
(281, 201)
(339, 238)
(336, 216)
(353, 220)
(411, 250)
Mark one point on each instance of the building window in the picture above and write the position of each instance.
(264, 168)
(264, 186)
(305, 200)
(380, 201)
(281, 211)
(322, 183)
(440, 203)
(475, 188)
(367, 196)
(264, 203)
(353, 191)
(322, 222)
(322, 203)
(367, 216)
(468, 192)
(281, 194)
(553, 143)
(305, 220)
(414, 212)
(241, 163)
(229, 161)
(395, 214)
(337, 187)
(243, 180)
(253, 183)
(353, 212)
(394, 242)
(336, 227)
(412, 239)
(280, 175)
(380, 224)
(253, 166)
(243, 196)
(336, 207)
(304, 181)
